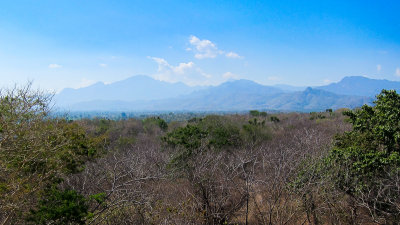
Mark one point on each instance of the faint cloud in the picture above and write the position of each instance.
(378, 68)
(233, 55)
(54, 66)
(229, 75)
(103, 65)
(184, 72)
(182, 67)
(398, 72)
(204, 48)
(207, 49)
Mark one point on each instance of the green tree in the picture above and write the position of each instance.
(36, 150)
(148, 122)
(197, 150)
(254, 113)
(365, 162)
(60, 207)
(263, 114)
(214, 133)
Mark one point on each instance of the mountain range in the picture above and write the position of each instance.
(142, 93)
(132, 89)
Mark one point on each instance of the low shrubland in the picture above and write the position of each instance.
(255, 168)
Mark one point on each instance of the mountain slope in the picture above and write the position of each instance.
(141, 93)
(315, 100)
(360, 86)
(237, 96)
(132, 89)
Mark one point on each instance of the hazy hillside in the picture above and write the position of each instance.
(144, 93)
(232, 95)
(289, 88)
(360, 86)
(315, 100)
(237, 95)
(132, 89)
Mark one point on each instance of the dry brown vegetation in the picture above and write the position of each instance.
(232, 169)
(249, 181)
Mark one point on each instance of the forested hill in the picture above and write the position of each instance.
(142, 93)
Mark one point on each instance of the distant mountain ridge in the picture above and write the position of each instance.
(136, 94)
(360, 86)
(305, 101)
(135, 88)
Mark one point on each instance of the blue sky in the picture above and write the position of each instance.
(74, 43)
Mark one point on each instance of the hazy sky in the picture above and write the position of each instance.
(74, 43)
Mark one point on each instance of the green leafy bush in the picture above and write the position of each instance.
(155, 121)
(60, 207)
(364, 163)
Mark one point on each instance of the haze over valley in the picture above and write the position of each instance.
(143, 93)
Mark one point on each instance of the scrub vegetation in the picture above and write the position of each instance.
(331, 167)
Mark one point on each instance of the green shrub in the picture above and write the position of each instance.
(60, 207)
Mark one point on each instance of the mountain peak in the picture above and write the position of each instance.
(241, 82)
(145, 93)
(360, 86)
(139, 87)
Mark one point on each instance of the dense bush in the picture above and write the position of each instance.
(365, 162)
(35, 150)
(60, 207)
(361, 172)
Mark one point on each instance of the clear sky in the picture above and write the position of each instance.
(74, 43)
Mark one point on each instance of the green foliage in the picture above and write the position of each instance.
(188, 137)
(36, 150)
(274, 119)
(257, 113)
(263, 114)
(379, 124)
(365, 160)
(155, 121)
(80, 147)
(215, 133)
(254, 113)
(211, 133)
(124, 141)
(195, 120)
(315, 115)
(255, 132)
(60, 207)
(222, 132)
(374, 143)
(104, 126)
(99, 197)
